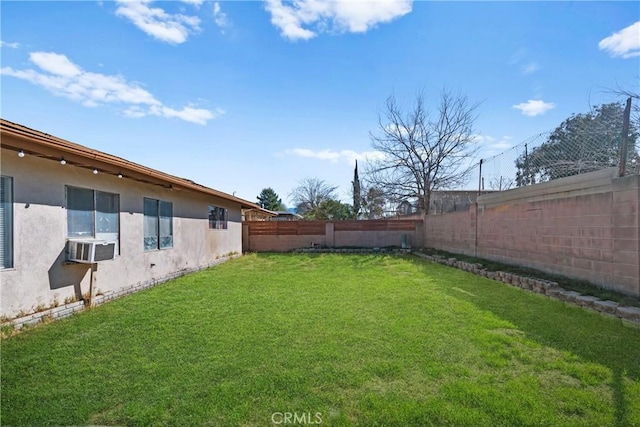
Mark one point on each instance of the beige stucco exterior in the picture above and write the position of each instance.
(41, 276)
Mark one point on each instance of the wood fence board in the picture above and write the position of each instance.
(318, 228)
(311, 228)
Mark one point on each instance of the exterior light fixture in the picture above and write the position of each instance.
(63, 161)
(20, 153)
(119, 175)
(95, 171)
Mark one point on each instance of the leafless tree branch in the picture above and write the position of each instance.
(423, 152)
(310, 193)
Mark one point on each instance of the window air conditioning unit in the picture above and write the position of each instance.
(90, 251)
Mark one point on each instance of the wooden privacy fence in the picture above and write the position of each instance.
(286, 228)
(281, 236)
(376, 225)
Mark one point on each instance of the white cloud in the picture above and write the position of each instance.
(9, 45)
(189, 114)
(55, 64)
(166, 27)
(530, 68)
(62, 77)
(482, 139)
(534, 107)
(501, 145)
(219, 17)
(354, 16)
(520, 58)
(625, 43)
(490, 142)
(134, 112)
(333, 156)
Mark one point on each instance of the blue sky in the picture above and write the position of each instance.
(242, 95)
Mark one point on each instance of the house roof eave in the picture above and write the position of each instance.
(17, 137)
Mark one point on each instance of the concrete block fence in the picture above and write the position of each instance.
(585, 226)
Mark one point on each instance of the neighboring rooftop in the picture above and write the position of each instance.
(285, 216)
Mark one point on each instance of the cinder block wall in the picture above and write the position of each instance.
(585, 226)
(453, 232)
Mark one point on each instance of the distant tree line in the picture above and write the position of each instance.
(314, 199)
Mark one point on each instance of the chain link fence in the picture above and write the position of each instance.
(635, 160)
(581, 144)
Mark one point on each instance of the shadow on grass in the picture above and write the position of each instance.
(590, 335)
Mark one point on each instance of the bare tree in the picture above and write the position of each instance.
(422, 152)
(309, 195)
(634, 94)
(501, 183)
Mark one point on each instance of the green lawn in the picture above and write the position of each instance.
(342, 339)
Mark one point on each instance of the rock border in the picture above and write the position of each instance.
(545, 287)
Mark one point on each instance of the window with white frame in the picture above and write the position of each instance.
(217, 218)
(6, 222)
(158, 224)
(92, 214)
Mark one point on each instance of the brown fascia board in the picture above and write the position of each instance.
(17, 137)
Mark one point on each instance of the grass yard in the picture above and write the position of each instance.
(335, 340)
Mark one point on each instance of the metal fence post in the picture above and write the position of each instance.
(480, 179)
(625, 139)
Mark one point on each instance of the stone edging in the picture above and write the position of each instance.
(545, 287)
(67, 310)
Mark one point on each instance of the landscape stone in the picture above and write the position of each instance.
(606, 306)
(569, 296)
(555, 292)
(586, 300)
(630, 313)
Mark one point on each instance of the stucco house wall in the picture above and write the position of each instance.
(40, 274)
